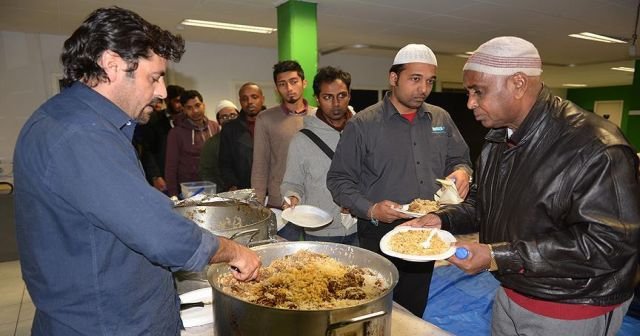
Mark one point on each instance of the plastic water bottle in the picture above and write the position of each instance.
(461, 253)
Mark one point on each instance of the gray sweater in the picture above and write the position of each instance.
(306, 174)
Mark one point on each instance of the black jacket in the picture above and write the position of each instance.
(236, 153)
(565, 199)
(151, 139)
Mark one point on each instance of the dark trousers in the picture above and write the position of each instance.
(351, 239)
(291, 232)
(412, 290)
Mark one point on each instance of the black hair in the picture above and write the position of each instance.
(121, 31)
(190, 94)
(397, 68)
(174, 91)
(286, 66)
(249, 84)
(330, 74)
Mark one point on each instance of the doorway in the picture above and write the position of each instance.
(609, 109)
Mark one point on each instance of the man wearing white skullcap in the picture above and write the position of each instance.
(555, 200)
(226, 111)
(209, 169)
(392, 153)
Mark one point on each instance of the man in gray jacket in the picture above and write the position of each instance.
(307, 164)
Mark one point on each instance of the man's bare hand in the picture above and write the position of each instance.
(426, 221)
(385, 211)
(294, 201)
(462, 181)
(245, 262)
(160, 184)
(478, 260)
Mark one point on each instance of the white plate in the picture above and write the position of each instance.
(307, 216)
(279, 222)
(444, 235)
(405, 210)
(197, 316)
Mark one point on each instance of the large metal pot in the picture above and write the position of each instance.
(255, 225)
(247, 224)
(233, 316)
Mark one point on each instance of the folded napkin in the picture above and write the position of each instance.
(348, 220)
(448, 194)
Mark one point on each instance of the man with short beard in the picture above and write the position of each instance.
(274, 129)
(305, 178)
(97, 243)
(185, 141)
(236, 140)
(392, 153)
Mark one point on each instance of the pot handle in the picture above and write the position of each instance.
(261, 242)
(358, 319)
(252, 232)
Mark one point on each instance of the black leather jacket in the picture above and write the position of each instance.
(565, 200)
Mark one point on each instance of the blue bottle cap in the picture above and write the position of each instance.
(462, 253)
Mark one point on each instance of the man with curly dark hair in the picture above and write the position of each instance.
(97, 242)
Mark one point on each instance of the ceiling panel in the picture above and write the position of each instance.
(448, 26)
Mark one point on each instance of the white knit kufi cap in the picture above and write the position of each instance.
(225, 103)
(504, 56)
(415, 53)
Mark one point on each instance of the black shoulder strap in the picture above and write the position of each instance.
(316, 139)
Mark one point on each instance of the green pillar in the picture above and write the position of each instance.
(298, 39)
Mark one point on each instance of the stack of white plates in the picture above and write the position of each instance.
(197, 316)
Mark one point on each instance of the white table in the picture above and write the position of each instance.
(403, 323)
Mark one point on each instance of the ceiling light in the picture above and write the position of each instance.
(627, 69)
(597, 38)
(228, 26)
(574, 85)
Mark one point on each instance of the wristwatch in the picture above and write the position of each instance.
(373, 220)
(493, 265)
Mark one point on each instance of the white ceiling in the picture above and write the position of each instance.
(449, 27)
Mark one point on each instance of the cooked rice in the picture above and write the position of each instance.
(423, 206)
(307, 281)
(411, 242)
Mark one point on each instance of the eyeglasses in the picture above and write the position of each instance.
(229, 116)
(340, 96)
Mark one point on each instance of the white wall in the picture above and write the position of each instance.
(217, 71)
(30, 66)
(27, 64)
(370, 73)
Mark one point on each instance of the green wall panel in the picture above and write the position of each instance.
(630, 125)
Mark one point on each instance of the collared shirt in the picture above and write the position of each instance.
(97, 243)
(304, 111)
(274, 129)
(382, 156)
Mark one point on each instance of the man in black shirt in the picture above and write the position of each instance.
(236, 140)
(151, 138)
(393, 152)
